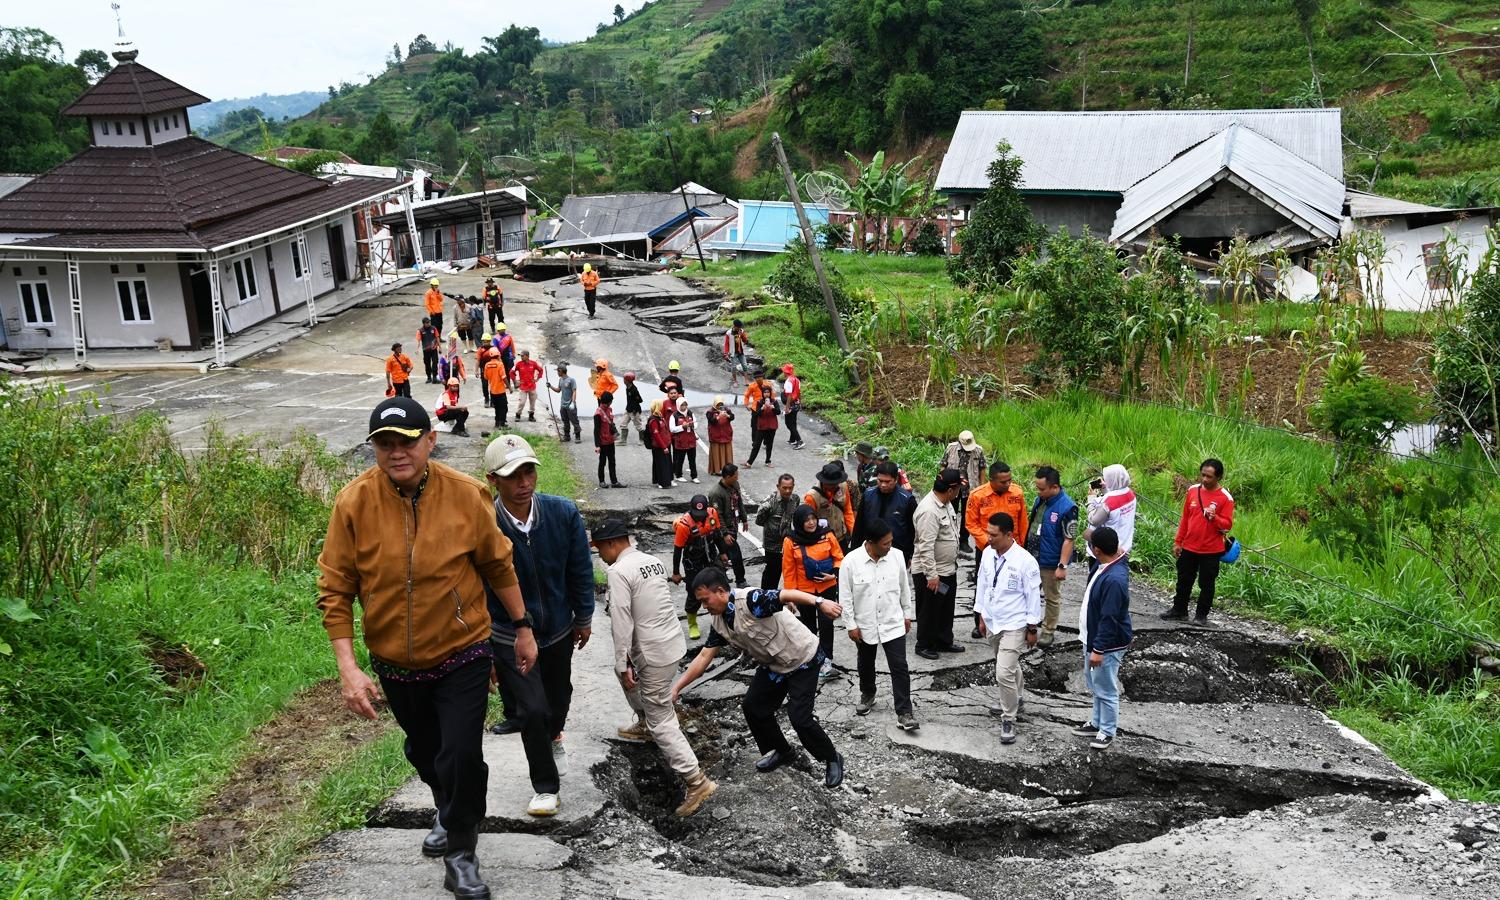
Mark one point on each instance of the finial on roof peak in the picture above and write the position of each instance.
(125, 49)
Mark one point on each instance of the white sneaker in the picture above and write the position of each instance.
(695, 481)
(543, 805)
(560, 757)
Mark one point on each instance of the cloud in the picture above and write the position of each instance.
(238, 49)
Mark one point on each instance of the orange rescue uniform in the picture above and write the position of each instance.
(794, 573)
(983, 503)
(397, 367)
(434, 301)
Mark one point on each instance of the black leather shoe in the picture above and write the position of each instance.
(835, 776)
(506, 726)
(463, 876)
(927, 654)
(952, 648)
(1174, 615)
(436, 842)
(774, 760)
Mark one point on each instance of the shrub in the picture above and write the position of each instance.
(1001, 229)
(928, 241)
(1074, 305)
(794, 279)
(1467, 365)
(1363, 412)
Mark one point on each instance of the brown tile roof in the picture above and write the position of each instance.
(132, 89)
(183, 194)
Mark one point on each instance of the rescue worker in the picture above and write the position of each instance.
(999, 494)
(791, 401)
(697, 543)
(659, 440)
(765, 416)
(684, 429)
(590, 281)
(648, 645)
(429, 339)
(967, 457)
(415, 543)
(601, 380)
(494, 303)
(605, 435)
(758, 622)
(397, 373)
(673, 379)
(433, 301)
(483, 353)
(494, 379)
(450, 410)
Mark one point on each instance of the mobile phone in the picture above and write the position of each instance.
(942, 588)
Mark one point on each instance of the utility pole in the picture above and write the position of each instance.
(812, 247)
(686, 207)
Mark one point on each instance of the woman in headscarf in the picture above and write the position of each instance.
(720, 436)
(684, 430)
(810, 560)
(451, 364)
(659, 439)
(1112, 503)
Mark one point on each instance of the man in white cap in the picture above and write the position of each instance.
(556, 576)
(648, 646)
(425, 618)
(967, 457)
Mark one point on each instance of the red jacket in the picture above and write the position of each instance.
(527, 373)
(687, 438)
(1195, 532)
(661, 438)
(720, 431)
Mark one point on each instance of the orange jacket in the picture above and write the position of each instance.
(589, 280)
(398, 367)
(434, 301)
(494, 373)
(983, 503)
(419, 577)
(603, 381)
(794, 574)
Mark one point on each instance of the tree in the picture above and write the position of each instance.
(394, 60)
(35, 85)
(445, 136)
(94, 63)
(420, 46)
(1074, 304)
(380, 141)
(1001, 228)
(619, 13)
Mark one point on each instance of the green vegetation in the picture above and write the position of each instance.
(36, 82)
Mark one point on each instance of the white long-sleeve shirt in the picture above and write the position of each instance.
(1008, 592)
(876, 595)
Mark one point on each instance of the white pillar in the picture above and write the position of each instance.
(411, 229)
(373, 261)
(75, 311)
(220, 358)
(312, 311)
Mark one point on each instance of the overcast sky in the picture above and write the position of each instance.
(240, 49)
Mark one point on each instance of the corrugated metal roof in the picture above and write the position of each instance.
(1290, 184)
(132, 89)
(588, 217)
(10, 183)
(1110, 151)
(1374, 206)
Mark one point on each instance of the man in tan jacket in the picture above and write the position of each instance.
(415, 542)
(648, 646)
(758, 622)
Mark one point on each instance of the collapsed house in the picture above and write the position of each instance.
(764, 228)
(1424, 253)
(641, 226)
(153, 237)
(452, 228)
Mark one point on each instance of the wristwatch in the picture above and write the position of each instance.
(523, 622)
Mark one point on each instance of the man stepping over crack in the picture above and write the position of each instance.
(648, 645)
(758, 622)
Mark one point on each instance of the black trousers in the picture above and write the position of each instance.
(792, 434)
(1200, 567)
(819, 624)
(540, 698)
(607, 455)
(761, 437)
(797, 690)
(691, 455)
(429, 362)
(589, 300)
(437, 322)
(484, 387)
(961, 506)
(661, 468)
(403, 388)
(771, 576)
(501, 403)
(457, 416)
(935, 612)
(497, 317)
(895, 657)
(570, 419)
(444, 722)
(736, 558)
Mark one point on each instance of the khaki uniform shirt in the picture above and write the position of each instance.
(642, 616)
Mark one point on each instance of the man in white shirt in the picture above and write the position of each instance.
(648, 646)
(875, 592)
(1008, 599)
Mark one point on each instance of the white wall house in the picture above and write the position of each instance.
(1427, 248)
(152, 237)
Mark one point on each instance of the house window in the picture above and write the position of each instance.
(135, 306)
(174, 120)
(36, 303)
(132, 128)
(1439, 272)
(103, 129)
(244, 279)
(298, 269)
(119, 129)
(156, 126)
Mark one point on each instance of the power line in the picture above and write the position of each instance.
(1361, 595)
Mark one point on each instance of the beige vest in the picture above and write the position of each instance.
(781, 643)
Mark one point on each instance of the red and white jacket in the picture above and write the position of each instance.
(791, 391)
(1114, 509)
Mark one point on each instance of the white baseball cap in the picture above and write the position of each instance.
(507, 453)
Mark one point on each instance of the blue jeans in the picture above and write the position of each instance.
(1104, 683)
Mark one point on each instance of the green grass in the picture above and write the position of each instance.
(1443, 733)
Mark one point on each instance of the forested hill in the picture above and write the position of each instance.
(1417, 79)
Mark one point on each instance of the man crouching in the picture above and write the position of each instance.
(757, 622)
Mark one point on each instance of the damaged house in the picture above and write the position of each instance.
(642, 226)
(1275, 175)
